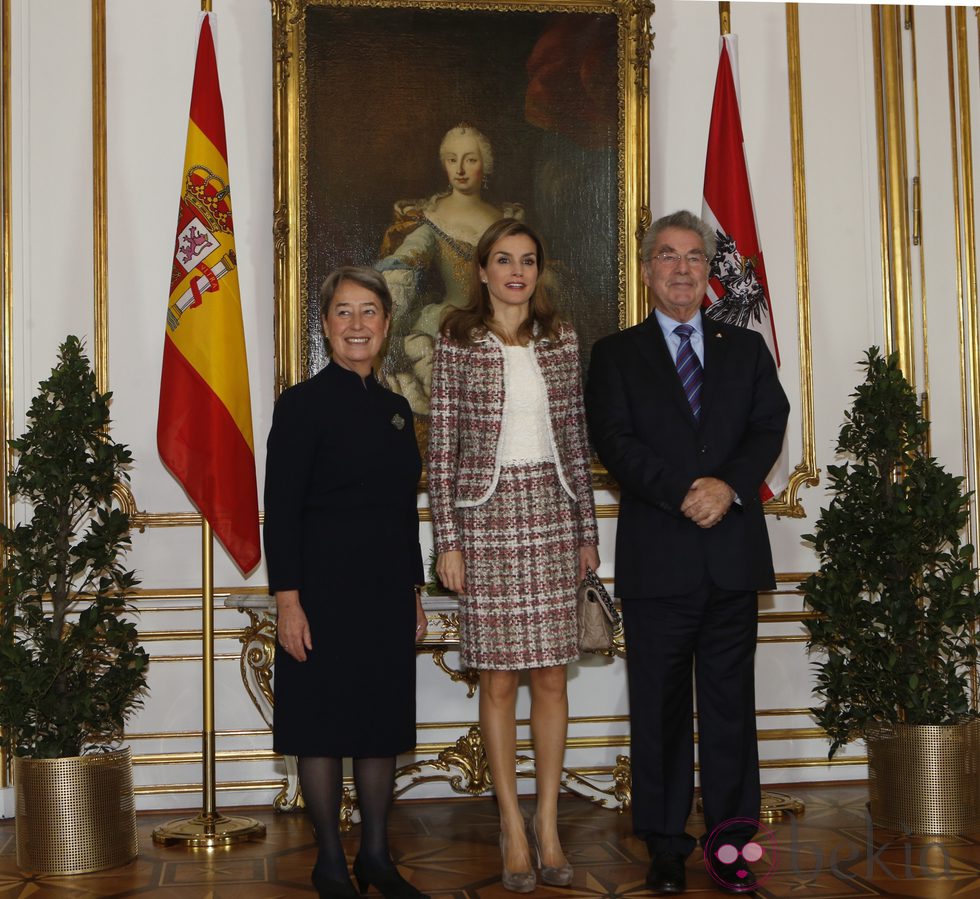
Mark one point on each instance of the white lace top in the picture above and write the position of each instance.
(524, 433)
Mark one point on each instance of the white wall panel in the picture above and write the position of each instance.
(939, 242)
(52, 150)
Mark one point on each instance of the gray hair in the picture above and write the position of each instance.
(358, 274)
(680, 219)
(461, 130)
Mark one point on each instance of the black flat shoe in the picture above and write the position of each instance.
(666, 875)
(385, 879)
(328, 888)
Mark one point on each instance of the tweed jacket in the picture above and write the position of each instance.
(466, 419)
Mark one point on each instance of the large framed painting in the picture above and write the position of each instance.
(404, 127)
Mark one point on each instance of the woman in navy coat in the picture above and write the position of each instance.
(341, 543)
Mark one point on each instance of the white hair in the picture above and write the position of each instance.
(463, 129)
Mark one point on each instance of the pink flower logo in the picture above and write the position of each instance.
(720, 854)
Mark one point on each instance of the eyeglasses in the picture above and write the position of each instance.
(694, 260)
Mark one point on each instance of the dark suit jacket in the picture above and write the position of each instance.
(646, 436)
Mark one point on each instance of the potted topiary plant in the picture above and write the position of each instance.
(71, 667)
(894, 642)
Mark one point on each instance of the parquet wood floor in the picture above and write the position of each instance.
(448, 849)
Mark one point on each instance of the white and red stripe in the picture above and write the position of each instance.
(739, 272)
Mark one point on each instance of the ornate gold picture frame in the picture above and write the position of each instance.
(368, 91)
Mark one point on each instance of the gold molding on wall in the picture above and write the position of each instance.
(6, 301)
(882, 191)
(100, 218)
(965, 367)
(915, 220)
(806, 472)
(893, 168)
(970, 260)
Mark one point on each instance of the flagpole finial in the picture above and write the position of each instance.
(725, 17)
(206, 5)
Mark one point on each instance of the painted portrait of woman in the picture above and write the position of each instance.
(445, 148)
(427, 258)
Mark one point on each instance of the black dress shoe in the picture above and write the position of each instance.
(385, 879)
(328, 888)
(666, 874)
(736, 877)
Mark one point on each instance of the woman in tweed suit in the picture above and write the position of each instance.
(514, 519)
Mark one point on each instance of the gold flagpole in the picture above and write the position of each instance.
(209, 828)
(725, 17)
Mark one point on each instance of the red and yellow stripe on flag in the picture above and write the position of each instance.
(204, 428)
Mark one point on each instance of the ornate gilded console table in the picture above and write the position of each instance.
(462, 764)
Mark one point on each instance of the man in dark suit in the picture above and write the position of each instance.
(688, 416)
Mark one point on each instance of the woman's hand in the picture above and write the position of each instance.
(421, 621)
(451, 570)
(588, 557)
(292, 628)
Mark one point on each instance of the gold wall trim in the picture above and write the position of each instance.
(897, 238)
(193, 635)
(969, 242)
(771, 617)
(882, 181)
(916, 217)
(791, 577)
(195, 734)
(250, 786)
(100, 219)
(194, 592)
(218, 657)
(194, 757)
(966, 364)
(773, 733)
(6, 300)
(231, 786)
(806, 472)
(813, 763)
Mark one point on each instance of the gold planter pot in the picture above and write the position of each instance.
(75, 815)
(924, 779)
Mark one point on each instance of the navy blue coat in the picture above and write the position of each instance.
(341, 526)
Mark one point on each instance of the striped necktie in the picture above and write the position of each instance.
(689, 369)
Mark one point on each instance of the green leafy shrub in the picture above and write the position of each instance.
(896, 589)
(71, 667)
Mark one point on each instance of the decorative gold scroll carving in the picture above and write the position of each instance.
(464, 767)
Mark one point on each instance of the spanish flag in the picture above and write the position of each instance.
(204, 428)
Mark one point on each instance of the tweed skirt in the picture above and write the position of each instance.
(521, 555)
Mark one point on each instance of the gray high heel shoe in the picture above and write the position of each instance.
(560, 876)
(515, 881)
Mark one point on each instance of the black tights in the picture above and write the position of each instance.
(322, 782)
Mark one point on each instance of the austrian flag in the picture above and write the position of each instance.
(204, 427)
(738, 292)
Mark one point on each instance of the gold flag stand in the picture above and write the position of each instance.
(209, 828)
